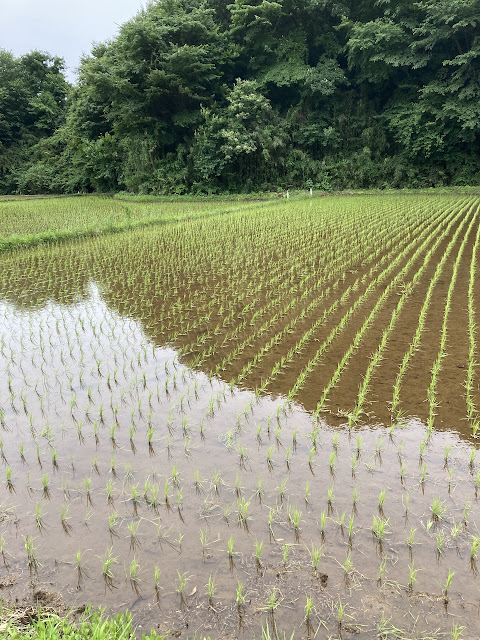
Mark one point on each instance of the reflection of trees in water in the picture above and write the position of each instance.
(219, 291)
(178, 294)
(32, 278)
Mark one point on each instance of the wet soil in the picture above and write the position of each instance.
(113, 448)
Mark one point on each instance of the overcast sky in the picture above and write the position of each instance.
(64, 28)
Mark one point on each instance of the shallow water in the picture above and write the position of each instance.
(96, 401)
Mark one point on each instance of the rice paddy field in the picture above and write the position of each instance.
(255, 420)
(28, 221)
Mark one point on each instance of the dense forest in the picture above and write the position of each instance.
(200, 96)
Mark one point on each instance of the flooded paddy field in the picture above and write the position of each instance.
(261, 418)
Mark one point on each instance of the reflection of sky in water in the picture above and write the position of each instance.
(89, 384)
(234, 307)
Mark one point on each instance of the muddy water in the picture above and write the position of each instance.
(100, 422)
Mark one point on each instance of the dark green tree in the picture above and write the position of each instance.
(33, 94)
(202, 95)
(139, 97)
(240, 145)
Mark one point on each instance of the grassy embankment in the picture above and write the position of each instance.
(45, 625)
(29, 221)
(48, 220)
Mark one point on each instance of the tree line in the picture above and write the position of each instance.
(200, 96)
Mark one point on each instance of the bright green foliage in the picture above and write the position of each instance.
(48, 626)
(240, 141)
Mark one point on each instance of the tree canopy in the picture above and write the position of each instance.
(203, 96)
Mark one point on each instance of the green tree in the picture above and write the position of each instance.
(202, 95)
(241, 144)
(139, 96)
(33, 93)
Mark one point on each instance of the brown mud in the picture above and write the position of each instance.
(132, 481)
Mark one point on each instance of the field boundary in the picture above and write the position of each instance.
(14, 242)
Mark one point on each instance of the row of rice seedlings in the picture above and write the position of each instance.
(377, 355)
(379, 529)
(432, 389)
(399, 277)
(338, 266)
(469, 382)
(414, 345)
(423, 240)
